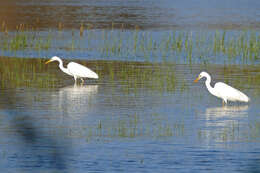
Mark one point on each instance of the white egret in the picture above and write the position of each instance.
(74, 69)
(222, 90)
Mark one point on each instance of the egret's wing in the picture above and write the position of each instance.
(81, 71)
(230, 93)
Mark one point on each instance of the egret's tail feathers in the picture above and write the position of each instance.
(94, 76)
(247, 99)
(244, 98)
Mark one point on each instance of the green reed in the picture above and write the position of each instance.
(133, 77)
(137, 76)
(17, 72)
(138, 44)
(132, 127)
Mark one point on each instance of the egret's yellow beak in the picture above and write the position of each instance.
(49, 61)
(197, 79)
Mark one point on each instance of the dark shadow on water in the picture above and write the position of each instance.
(34, 146)
(131, 102)
(36, 140)
(254, 166)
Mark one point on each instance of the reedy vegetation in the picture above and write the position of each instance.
(140, 45)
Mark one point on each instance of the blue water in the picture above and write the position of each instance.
(144, 114)
(112, 126)
(135, 46)
(149, 14)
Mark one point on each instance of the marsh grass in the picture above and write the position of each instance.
(186, 46)
(132, 127)
(17, 72)
(135, 76)
(130, 76)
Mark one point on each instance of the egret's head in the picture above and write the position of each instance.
(201, 75)
(55, 58)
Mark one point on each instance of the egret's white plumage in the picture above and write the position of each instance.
(222, 90)
(74, 69)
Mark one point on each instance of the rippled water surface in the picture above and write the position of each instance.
(136, 117)
(149, 14)
(144, 113)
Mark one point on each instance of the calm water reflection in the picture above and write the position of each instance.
(227, 122)
(226, 112)
(126, 122)
(76, 100)
(139, 116)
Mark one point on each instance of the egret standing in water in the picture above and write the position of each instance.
(74, 69)
(222, 90)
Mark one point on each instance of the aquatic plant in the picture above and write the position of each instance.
(131, 127)
(17, 72)
(140, 45)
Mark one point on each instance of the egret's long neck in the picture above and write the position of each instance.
(65, 70)
(207, 82)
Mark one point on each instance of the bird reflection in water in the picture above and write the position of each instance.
(223, 124)
(76, 99)
(226, 111)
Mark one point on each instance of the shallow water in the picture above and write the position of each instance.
(126, 120)
(173, 46)
(203, 32)
(144, 114)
